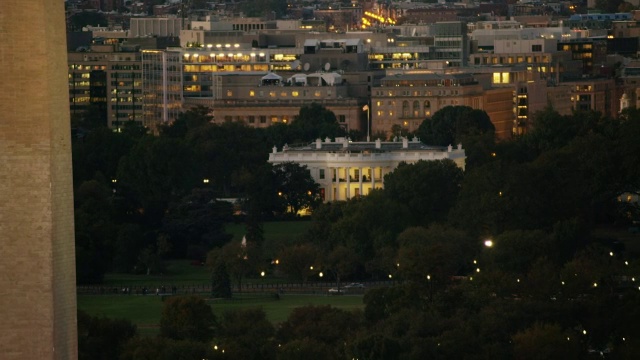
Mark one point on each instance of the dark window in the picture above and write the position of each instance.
(536, 48)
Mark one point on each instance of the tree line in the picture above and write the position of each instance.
(554, 283)
(141, 198)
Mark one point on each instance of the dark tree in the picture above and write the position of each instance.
(315, 122)
(187, 318)
(160, 348)
(102, 338)
(195, 224)
(306, 348)
(188, 121)
(428, 188)
(247, 334)
(296, 261)
(325, 324)
(220, 281)
(224, 152)
(158, 171)
(296, 188)
(98, 154)
(94, 230)
(451, 124)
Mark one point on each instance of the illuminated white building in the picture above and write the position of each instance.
(346, 169)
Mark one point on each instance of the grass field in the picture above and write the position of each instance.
(144, 311)
(182, 272)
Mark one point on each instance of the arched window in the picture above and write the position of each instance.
(416, 109)
(427, 108)
(405, 109)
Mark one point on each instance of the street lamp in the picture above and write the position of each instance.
(488, 243)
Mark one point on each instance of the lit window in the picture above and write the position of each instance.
(252, 93)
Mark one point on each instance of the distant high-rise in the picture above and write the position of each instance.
(37, 257)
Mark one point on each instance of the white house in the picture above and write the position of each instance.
(346, 169)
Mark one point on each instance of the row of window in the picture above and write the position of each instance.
(87, 67)
(285, 93)
(393, 93)
(494, 60)
(262, 119)
(127, 99)
(126, 107)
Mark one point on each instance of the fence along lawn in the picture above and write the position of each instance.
(145, 311)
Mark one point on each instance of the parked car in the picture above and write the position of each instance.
(354, 286)
(336, 291)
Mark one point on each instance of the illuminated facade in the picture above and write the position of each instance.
(264, 100)
(592, 52)
(445, 45)
(346, 169)
(109, 78)
(162, 86)
(404, 100)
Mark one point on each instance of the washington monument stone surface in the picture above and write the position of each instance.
(37, 259)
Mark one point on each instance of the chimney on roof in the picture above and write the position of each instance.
(405, 143)
(378, 144)
(275, 149)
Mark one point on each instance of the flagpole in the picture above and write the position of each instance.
(366, 107)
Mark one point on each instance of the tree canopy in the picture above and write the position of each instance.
(450, 125)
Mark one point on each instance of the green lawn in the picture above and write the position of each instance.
(179, 272)
(144, 311)
(182, 272)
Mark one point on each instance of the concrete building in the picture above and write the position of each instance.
(592, 52)
(156, 26)
(108, 77)
(162, 86)
(37, 281)
(271, 98)
(405, 99)
(346, 169)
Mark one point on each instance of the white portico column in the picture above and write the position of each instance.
(336, 192)
(348, 175)
(373, 178)
(360, 180)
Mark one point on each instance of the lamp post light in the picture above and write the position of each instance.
(488, 243)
